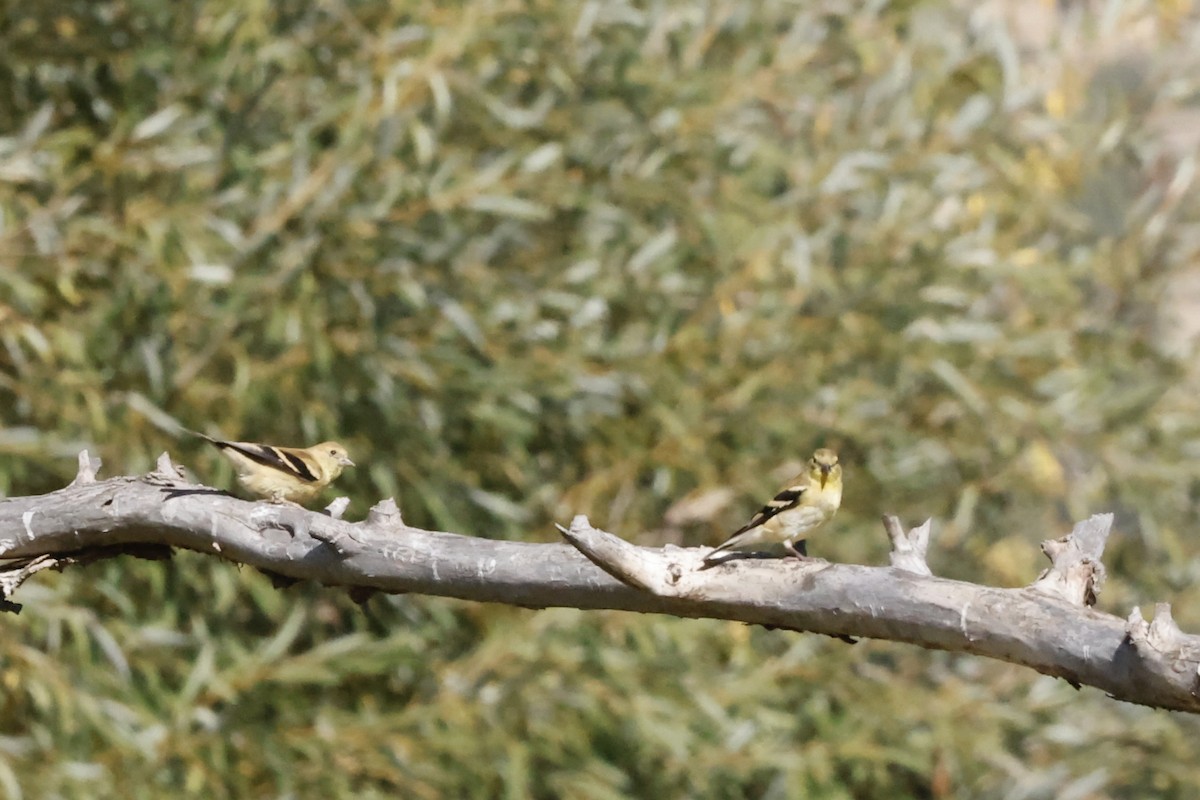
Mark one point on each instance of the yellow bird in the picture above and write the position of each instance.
(806, 503)
(284, 474)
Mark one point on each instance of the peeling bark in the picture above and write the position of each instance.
(1048, 626)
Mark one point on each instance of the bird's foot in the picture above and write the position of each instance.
(800, 553)
(276, 500)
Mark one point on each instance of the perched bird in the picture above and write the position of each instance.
(800, 507)
(284, 474)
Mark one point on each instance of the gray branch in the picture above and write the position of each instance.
(1048, 626)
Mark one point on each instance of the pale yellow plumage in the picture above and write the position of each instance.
(804, 504)
(285, 474)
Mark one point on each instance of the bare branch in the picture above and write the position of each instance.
(1046, 627)
(20, 570)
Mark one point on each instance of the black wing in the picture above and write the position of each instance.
(273, 457)
(787, 498)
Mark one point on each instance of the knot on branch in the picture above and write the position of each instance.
(1076, 573)
(299, 522)
(88, 467)
(293, 519)
(908, 548)
(342, 543)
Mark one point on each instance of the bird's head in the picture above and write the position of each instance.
(823, 467)
(335, 455)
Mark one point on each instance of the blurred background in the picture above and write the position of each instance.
(635, 260)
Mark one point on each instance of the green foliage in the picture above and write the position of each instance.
(534, 259)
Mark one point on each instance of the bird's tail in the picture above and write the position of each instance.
(724, 547)
(220, 444)
(159, 418)
(743, 537)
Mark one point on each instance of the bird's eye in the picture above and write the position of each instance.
(333, 452)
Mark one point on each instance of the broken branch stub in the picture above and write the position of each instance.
(1076, 573)
(627, 563)
(88, 467)
(338, 507)
(1161, 635)
(385, 513)
(908, 548)
(1158, 653)
(168, 470)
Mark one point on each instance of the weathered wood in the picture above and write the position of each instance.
(1076, 573)
(1048, 626)
(908, 547)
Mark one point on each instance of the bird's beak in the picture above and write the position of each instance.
(824, 474)
(345, 461)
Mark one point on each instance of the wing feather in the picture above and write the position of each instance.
(276, 458)
(787, 498)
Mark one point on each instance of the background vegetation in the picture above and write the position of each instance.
(529, 259)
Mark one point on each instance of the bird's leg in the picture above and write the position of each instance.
(279, 500)
(800, 552)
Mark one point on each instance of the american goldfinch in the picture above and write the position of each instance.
(284, 474)
(806, 503)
